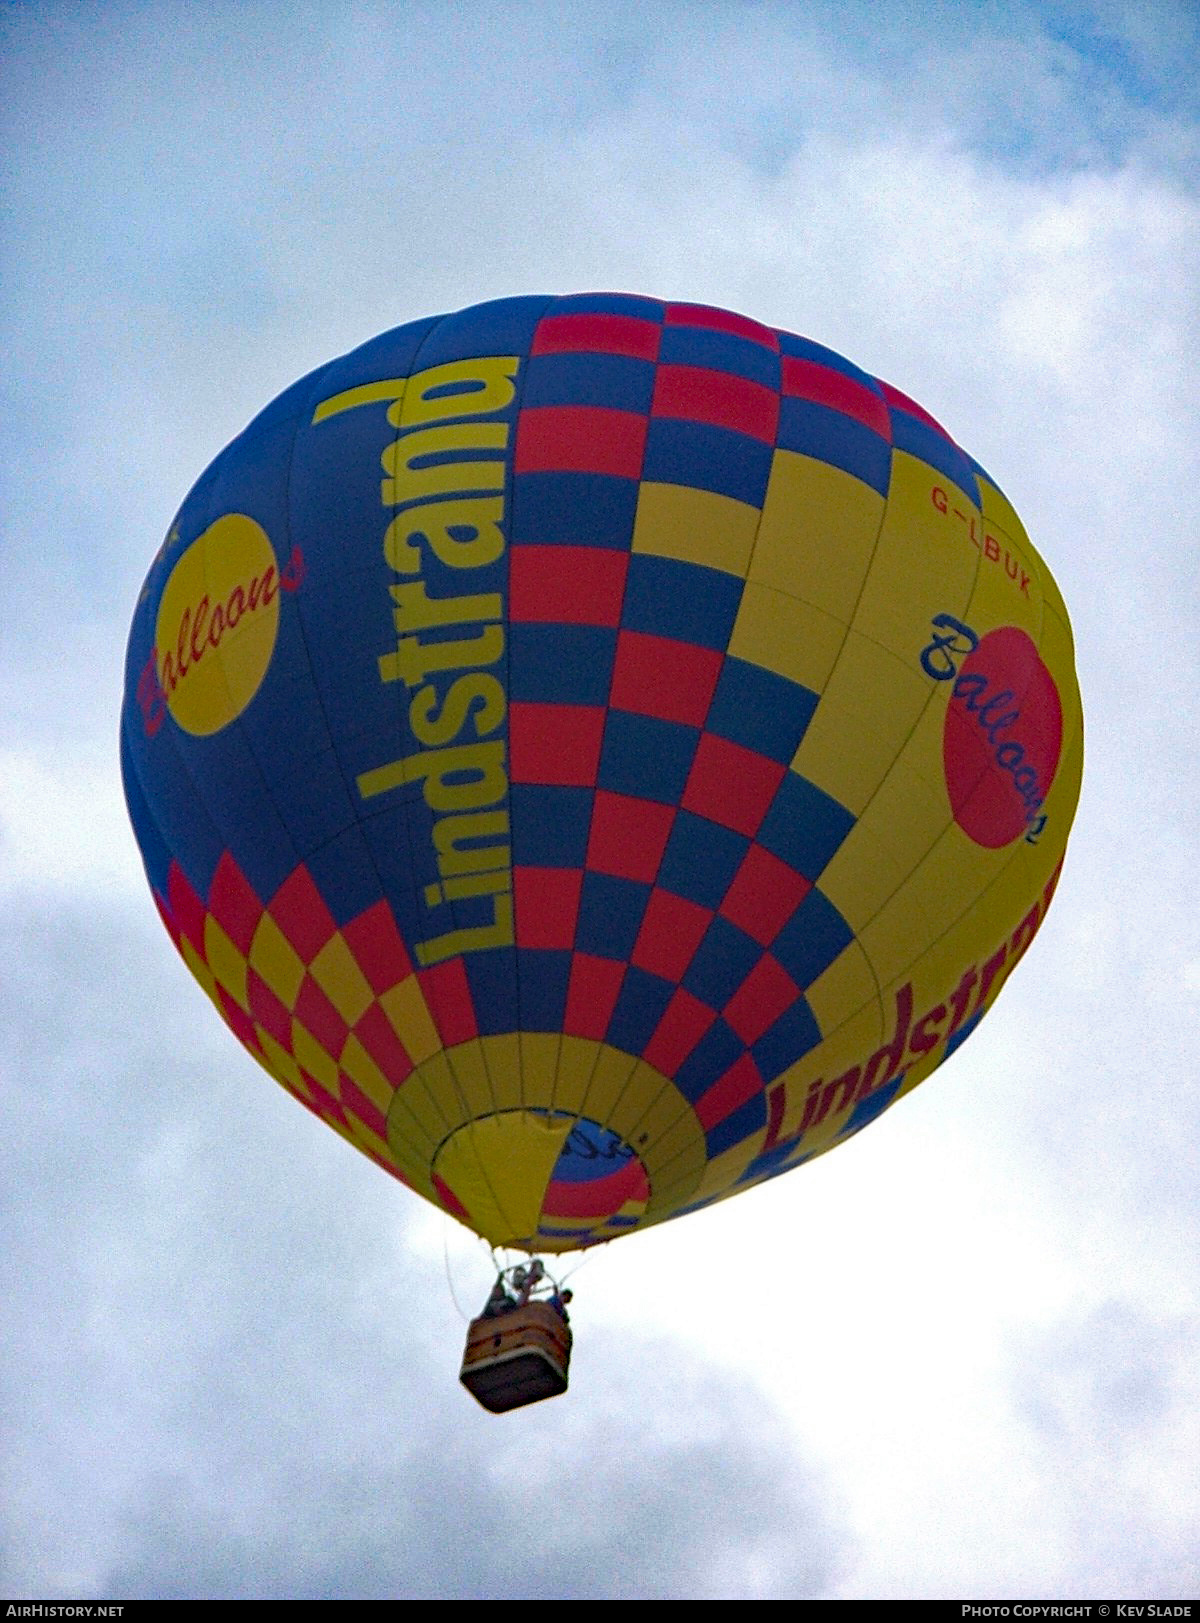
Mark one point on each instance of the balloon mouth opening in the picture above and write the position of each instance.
(541, 1180)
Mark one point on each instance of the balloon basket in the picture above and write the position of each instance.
(516, 1358)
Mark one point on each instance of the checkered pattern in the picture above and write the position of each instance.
(666, 859)
(338, 1016)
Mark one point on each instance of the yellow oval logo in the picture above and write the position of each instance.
(216, 626)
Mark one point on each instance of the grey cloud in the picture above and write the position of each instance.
(1105, 1396)
(587, 1499)
(229, 1375)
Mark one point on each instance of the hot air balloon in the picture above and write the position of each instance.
(598, 753)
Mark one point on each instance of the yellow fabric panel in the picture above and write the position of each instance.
(859, 1035)
(226, 962)
(539, 1066)
(645, 1110)
(471, 1077)
(862, 875)
(1008, 586)
(845, 987)
(314, 1059)
(726, 1168)
(525, 1146)
(437, 1076)
(365, 1074)
(502, 1056)
(202, 973)
(910, 811)
(577, 1058)
(695, 526)
(411, 1143)
(674, 1149)
(279, 1063)
(905, 817)
(923, 564)
(817, 533)
(1053, 601)
(241, 657)
(341, 980)
(1057, 649)
(1000, 517)
(609, 1080)
(784, 634)
(981, 928)
(357, 1133)
(945, 883)
(1064, 793)
(428, 1097)
(406, 1009)
(277, 961)
(677, 1182)
(631, 1208)
(852, 739)
(999, 512)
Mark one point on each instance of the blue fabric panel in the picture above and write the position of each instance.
(720, 352)
(610, 915)
(831, 436)
(590, 1152)
(549, 825)
(286, 725)
(963, 1032)
(776, 1159)
(608, 304)
(560, 664)
(804, 826)
(980, 472)
(313, 802)
(760, 710)
(811, 939)
(573, 509)
(721, 963)
(705, 457)
(574, 378)
(918, 439)
(701, 859)
(717, 1050)
(221, 774)
(792, 1035)
(640, 1006)
(687, 602)
(403, 857)
(390, 355)
(748, 1118)
(295, 405)
(866, 1110)
(806, 350)
(646, 757)
(542, 977)
(492, 978)
(345, 874)
(503, 327)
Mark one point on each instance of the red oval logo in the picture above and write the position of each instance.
(1002, 738)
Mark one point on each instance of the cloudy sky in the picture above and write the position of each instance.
(957, 1357)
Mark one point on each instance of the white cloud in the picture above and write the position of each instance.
(63, 827)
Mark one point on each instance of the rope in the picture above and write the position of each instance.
(465, 1317)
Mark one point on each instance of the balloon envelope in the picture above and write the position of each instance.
(598, 753)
